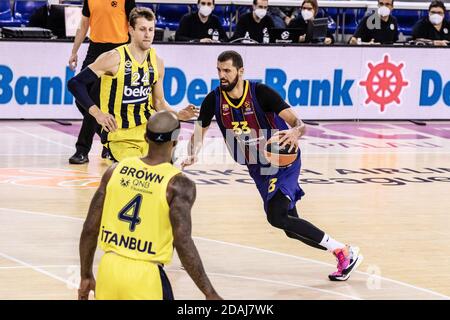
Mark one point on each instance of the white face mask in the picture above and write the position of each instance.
(260, 13)
(307, 14)
(205, 10)
(384, 11)
(436, 19)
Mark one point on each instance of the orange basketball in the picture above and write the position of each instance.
(279, 157)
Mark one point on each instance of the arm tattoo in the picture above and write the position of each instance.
(91, 227)
(182, 195)
(88, 241)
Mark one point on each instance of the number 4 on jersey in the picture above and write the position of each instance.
(133, 218)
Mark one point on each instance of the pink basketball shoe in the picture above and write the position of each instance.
(348, 259)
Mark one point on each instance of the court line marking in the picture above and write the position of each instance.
(38, 269)
(256, 249)
(283, 283)
(305, 155)
(325, 264)
(44, 214)
(44, 266)
(308, 153)
(41, 138)
(25, 265)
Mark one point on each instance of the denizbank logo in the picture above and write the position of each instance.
(34, 90)
(297, 92)
(385, 86)
(433, 88)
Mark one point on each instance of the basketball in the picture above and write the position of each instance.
(279, 157)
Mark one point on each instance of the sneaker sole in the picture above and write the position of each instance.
(352, 267)
(77, 162)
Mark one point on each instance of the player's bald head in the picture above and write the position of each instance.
(163, 121)
(162, 127)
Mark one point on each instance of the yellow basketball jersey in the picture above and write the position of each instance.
(135, 222)
(128, 94)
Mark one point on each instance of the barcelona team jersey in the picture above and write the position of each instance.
(245, 126)
(128, 94)
(135, 221)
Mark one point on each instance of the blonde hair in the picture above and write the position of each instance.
(140, 12)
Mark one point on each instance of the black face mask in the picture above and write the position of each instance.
(228, 88)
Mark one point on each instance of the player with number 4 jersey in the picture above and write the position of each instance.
(140, 212)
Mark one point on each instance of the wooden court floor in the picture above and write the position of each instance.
(383, 186)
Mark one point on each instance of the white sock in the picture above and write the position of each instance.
(330, 243)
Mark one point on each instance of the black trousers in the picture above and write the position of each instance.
(89, 125)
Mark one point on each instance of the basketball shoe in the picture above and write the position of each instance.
(348, 259)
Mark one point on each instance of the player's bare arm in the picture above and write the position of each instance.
(79, 38)
(160, 103)
(89, 235)
(181, 195)
(298, 129)
(107, 63)
(195, 145)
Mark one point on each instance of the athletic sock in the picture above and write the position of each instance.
(330, 243)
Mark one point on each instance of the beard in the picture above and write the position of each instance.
(229, 87)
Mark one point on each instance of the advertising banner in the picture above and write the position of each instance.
(321, 83)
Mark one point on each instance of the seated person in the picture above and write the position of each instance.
(309, 9)
(256, 24)
(282, 16)
(434, 27)
(202, 25)
(378, 28)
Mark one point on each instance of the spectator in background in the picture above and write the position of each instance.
(202, 25)
(282, 16)
(39, 18)
(309, 9)
(47, 18)
(379, 28)
(434, 27)
(256, 24)
(109, 29)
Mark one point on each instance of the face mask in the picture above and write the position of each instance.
(307, 15)
(436, 19)
(384, 11)
(205, 10)
(260, 13)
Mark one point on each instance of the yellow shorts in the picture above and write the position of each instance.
(121, 278)
(124, 143)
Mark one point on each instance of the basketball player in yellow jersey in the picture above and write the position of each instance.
(131, 89)
(141, 210)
